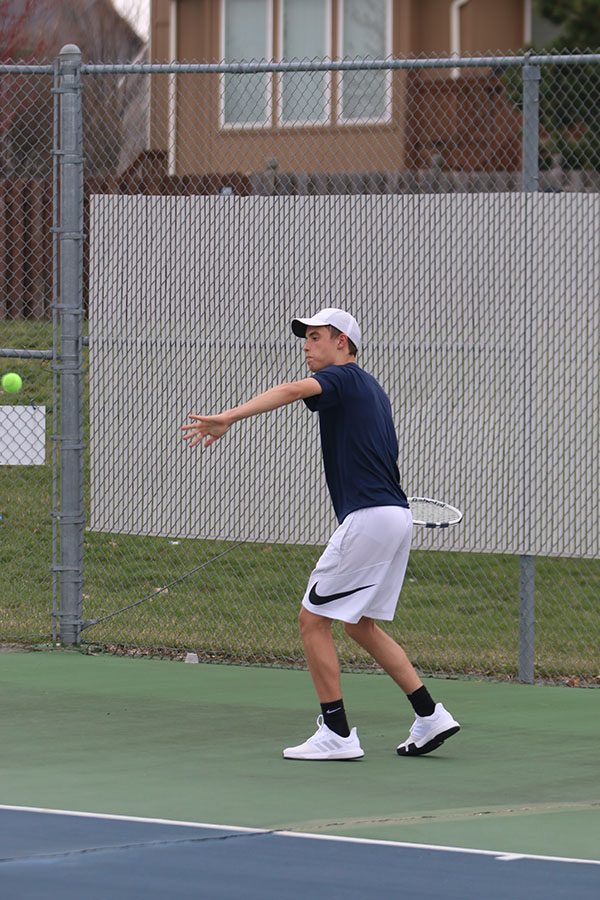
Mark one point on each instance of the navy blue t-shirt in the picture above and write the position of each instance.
(358, 439)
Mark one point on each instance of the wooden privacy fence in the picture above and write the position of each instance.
(26, 209)
(25, 248)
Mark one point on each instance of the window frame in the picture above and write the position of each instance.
(388, 84)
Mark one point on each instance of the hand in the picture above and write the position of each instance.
(205, 429)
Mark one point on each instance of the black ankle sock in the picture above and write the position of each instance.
(422, 702)
(334, 716)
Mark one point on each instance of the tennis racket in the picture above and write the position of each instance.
(433, 513)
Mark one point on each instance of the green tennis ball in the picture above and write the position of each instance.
(12, 383)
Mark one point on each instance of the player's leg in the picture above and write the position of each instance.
(333, 738)
(321, 655)
(384, 650)
(433, 723)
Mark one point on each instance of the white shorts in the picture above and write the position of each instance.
(361, 571)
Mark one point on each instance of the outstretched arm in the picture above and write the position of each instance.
(208, 429)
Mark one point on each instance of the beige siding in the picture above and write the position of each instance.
(420, 27)
(492, 25)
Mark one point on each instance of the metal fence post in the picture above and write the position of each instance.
(527, 619)
(70, 365)
(530, 184)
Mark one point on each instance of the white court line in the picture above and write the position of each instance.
(142, 819)
(499, 855)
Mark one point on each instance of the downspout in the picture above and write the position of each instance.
(527, 23)
(172, 94)
(455, 8)
(150, 112)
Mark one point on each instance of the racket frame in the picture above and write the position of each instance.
(455, 514)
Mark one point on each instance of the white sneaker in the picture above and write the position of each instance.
(326, 744)
(429, 732)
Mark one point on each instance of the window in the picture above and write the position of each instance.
(246, 35)
(365, 32)
(305, 34)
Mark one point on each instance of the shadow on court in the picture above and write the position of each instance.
(202, 744)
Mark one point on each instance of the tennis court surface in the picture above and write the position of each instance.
(149, 751)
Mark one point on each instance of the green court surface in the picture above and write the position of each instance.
(202, 743)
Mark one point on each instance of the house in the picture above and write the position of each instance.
(344, 122)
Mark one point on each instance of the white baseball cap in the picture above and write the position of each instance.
(339, 318)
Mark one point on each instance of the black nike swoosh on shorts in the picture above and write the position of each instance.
(318, 600)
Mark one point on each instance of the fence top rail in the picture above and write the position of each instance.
(339, 65)
(311, 65)
(25, 69)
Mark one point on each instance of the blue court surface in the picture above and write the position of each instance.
(59, 854)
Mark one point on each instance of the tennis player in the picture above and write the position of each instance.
(358, 578)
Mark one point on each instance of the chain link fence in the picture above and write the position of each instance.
(28, 533)
(452, 205)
